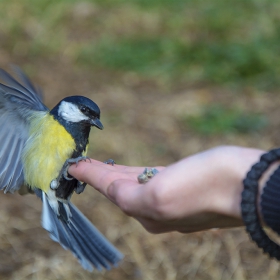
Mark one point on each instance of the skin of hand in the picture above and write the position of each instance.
(200, 192)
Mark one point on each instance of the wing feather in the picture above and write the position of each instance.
(28, 84)
(17, 178)
(13, 175)
(17, 103)
(8, 173)
(28, 94)
(7, 146)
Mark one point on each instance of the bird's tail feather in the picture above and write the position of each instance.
(79, 235)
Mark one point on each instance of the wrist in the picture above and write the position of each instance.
(233, 164)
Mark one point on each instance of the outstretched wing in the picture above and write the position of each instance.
(78, 235)
(17, 103)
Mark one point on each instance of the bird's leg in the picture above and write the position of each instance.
(80, 188)
(81, 185)
(64, 172)
(66, 165)
(147, 174)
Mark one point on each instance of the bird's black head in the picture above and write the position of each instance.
(77, 110)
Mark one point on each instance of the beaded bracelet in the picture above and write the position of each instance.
(249, 204)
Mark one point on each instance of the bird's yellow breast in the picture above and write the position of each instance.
(46, 150)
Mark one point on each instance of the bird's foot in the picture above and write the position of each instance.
(80, 188)
(110, 162)
(81, 185)
(147, 174)
(66, 165)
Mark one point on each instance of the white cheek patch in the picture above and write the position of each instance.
(70, 112)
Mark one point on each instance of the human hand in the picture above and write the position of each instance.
(196, 193)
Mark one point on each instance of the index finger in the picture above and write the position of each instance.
(100, 175)
(119, 167)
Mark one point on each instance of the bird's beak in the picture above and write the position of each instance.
(96, 122)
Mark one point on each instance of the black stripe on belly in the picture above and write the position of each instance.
(66, 188)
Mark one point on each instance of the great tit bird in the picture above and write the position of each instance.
(36, 147)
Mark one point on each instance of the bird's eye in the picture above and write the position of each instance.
(84, 109)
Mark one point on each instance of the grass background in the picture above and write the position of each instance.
(172, 78)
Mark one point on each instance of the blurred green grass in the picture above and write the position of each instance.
(216, 119)
(233, 42)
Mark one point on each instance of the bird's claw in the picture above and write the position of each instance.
(147, 174)
(68, 163)
(80, 188)
(76, 160)
(110, 162)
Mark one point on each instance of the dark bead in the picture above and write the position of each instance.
(250, 184)
(261, 166)
(254, 174)
(269, 157)
(250, 199)
(276, 152)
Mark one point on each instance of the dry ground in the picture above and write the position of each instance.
(142, 126)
